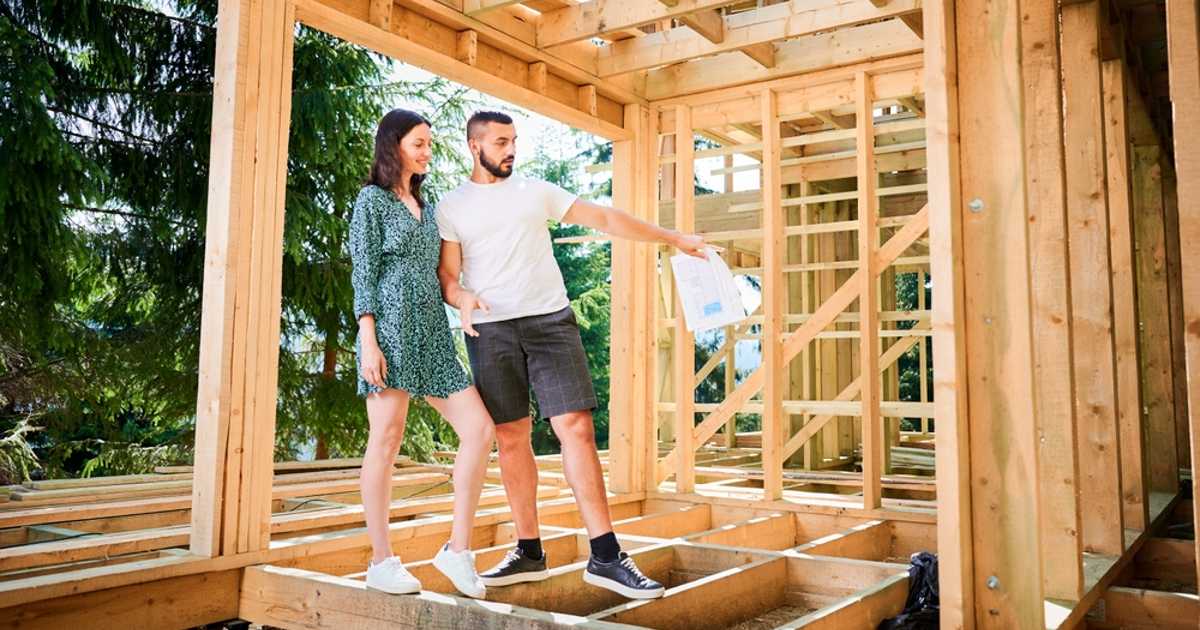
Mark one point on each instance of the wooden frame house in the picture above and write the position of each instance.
(1032, 163)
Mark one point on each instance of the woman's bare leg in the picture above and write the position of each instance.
(386, 413)
(465, 412)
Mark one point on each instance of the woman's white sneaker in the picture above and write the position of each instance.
(459, 567)
(390, 576)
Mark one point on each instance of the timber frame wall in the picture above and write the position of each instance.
(1018, 156)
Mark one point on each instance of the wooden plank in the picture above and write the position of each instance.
(1154, 320)
(743, 591)
(747, 28)
(1183, 47)
(865, 608)
(995, 320)
(868, 298)
(1058, 464)
(1139, 609)
(684, 353)
(1091, 282)
(774, 249)
(180, 602)
(841, 47)
(294, 598)
(1124, 297)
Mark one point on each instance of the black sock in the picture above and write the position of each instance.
(605, 547)
(531, 547)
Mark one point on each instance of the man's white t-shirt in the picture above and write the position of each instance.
(508, 260)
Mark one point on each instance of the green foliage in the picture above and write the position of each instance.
(104, 138)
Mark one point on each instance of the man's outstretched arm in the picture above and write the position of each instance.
(621, 224)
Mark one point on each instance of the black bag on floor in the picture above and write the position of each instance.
(921, 607)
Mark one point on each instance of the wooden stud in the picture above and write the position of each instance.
(1091, 281)
(1154, 321)
(868, 299)
(774, 247)
(1054, 382)
(1124, 298)
(1183, 50)
(982, 336)
(684, 356)
(537, 77)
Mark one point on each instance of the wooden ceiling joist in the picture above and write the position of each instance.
(601, 17)
(759, 26)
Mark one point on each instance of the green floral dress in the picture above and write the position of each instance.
(395, 258)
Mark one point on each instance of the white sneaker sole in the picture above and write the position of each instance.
(621, 589)
(516, 578)
(399, 590)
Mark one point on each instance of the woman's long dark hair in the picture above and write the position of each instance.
(385, 170)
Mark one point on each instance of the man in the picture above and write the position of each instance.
(521, 333)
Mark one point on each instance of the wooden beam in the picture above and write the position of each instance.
(235, 402)
(1183, 50)
(708, 23)
(1058, 472)
(1091, 281)
(762, 54)
(767, 24)
(602, 17)
(774, 251)
(995, 317)
(1124, 297)
(1140, 609)
(684, 357)
(868, 299)
(492, 73)
(841, 47)
(477, 7)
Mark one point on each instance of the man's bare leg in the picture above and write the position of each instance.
(581, 465)
(518, 471)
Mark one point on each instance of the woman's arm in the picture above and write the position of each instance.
(366, 256)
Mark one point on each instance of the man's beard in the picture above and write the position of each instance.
(499, 170)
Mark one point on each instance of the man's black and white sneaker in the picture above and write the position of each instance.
(514, 569)
(623, 577)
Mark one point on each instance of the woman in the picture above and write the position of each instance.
(405, 350)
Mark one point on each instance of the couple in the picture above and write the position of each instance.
(486, 250)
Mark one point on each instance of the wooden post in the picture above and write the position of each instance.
(684, 357)
(868, 299)
(239, 336)
(1091, 283)
(1124, 298)
(981, 318)
(1183, 51)
(1054, 388)
(955, 535)
(633, 326)
(774, 247)
(1154, 320)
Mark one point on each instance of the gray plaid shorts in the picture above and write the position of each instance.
(540, 351)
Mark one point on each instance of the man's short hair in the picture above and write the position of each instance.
(481, 118)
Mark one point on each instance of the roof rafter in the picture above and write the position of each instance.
(601, 17)
(758, 26)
